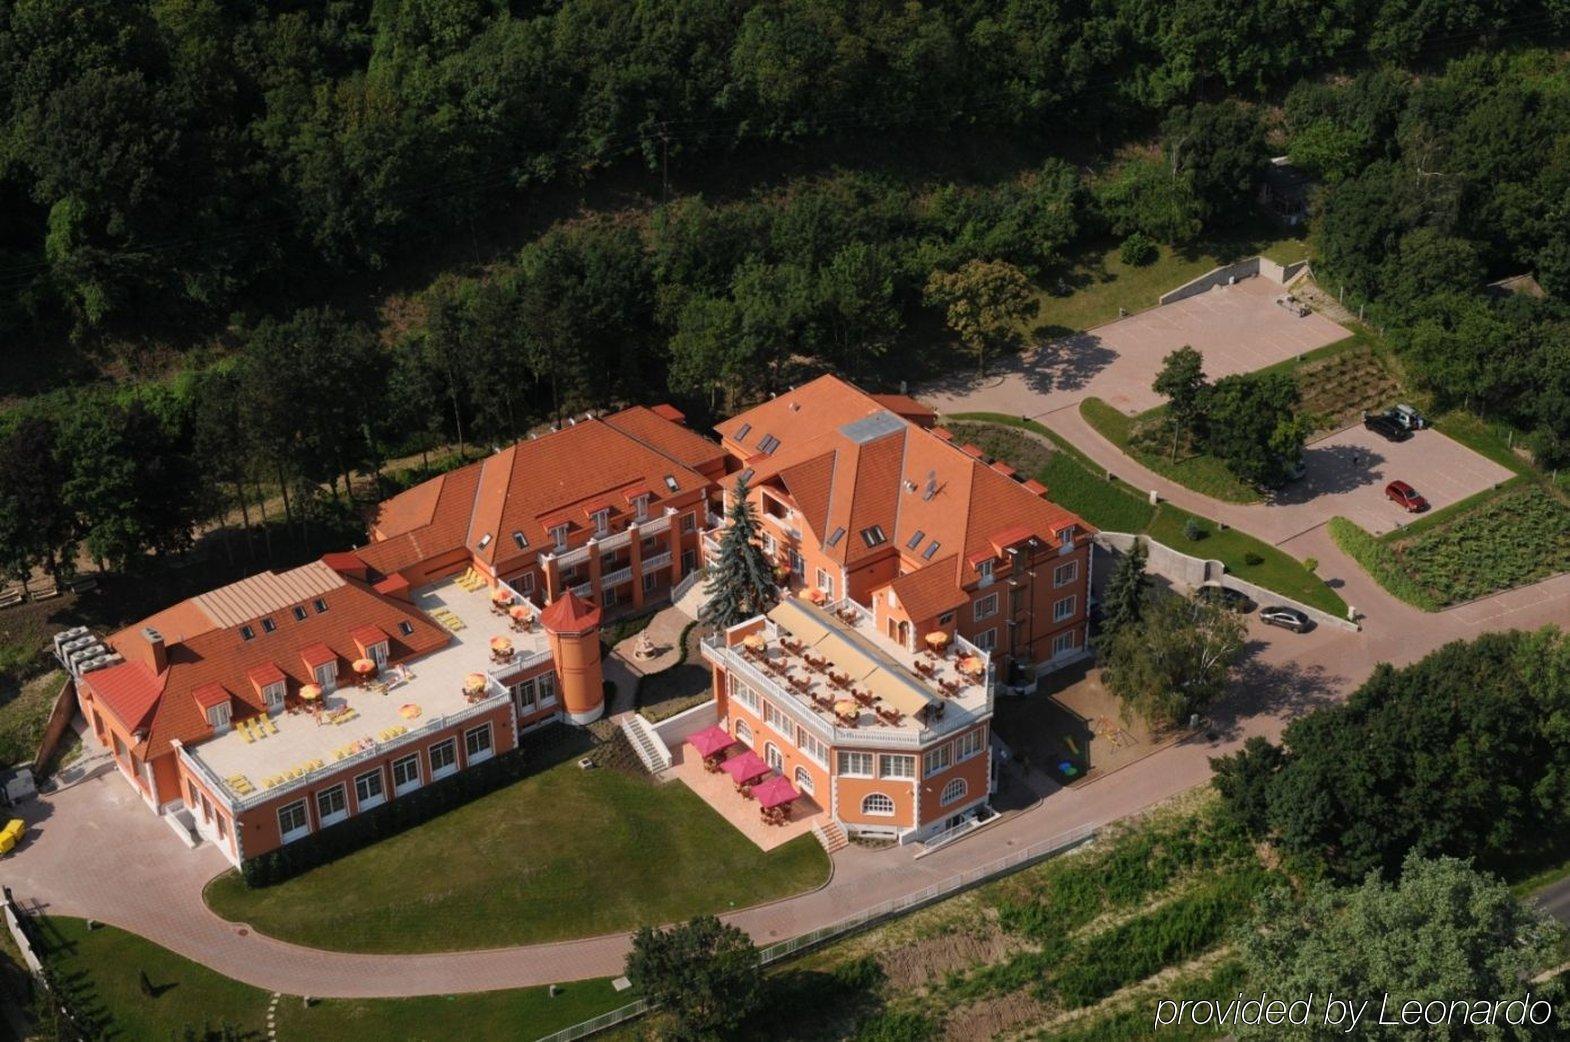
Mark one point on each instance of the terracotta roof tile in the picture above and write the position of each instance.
(929, 591)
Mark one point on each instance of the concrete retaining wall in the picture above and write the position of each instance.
(1186, 570)
(675, 729)
(1280, 274)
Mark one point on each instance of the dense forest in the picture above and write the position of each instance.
(218, 168)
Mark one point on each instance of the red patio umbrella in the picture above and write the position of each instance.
(745, 768)
(776, 792)
(710, 740)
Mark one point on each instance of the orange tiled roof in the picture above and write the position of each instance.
(930, 591)
(850, 464)
(533, 484)
(206, 651)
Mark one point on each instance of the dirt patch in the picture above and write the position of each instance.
(994, 1015)
(928, 959)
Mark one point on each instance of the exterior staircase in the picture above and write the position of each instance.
(651, 750)
(830, 834)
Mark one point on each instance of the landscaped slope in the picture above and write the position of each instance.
(565, 853)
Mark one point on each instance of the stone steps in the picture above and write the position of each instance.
(651, 751)
(830, 834)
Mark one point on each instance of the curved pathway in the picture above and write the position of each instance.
(92, 852)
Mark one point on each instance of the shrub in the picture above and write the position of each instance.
(1311, 563)
(1193, 531)
(1138, 250)
(904, 1026)
(1253, 560)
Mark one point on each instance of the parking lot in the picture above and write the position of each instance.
(1348, 472)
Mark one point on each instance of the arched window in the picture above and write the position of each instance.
(804, 780)
(954, 790)
(877, 803)
(743, 732)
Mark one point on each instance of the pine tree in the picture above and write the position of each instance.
(741, 582)
(1125, 601)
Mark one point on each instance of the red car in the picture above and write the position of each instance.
(1406, 497)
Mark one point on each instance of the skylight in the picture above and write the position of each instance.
(915, 540)
(521, 539)
(268, 625)
(246, 633)
(768, 444)
(742, 431)
(670, 483)
(299, 613)
(873, 536)
(926, 555)
(835, 537)
(320, 605)
(485, 540)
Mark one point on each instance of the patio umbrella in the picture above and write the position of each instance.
(519, 612)
(937, 640)
(846, 707)
(474, 683)
(710, 740)
(409, 710)
(776, 792)
(972, 664)
(501, 597)
(501, 644)
(363, 666)
(745, 768)
(755, 641)
(310, 692)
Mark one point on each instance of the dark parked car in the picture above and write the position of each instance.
(1286, 618)
(1226, 597)
(1387, 428)
(1406, 497)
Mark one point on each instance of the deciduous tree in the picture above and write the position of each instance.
(703, 973)
(1176, 661)
(985, 302)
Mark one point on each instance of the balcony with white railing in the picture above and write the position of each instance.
(655, 562)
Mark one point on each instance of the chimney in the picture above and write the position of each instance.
(157, 656)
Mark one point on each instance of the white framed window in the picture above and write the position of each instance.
(1064, 574)
(332, 806)
(272, 696)
(774, 718)
(1064, 643)
(444, 758)
(986, 640)
(984, 570)
(369, 791)
(969, 744)
(803, 778)
(825, 582)
(896, 766)
(524, 583)
(218, 717)
(856, 765)
(953, 792)
(935, 760)
(602, 522)
(986, 607)
(743, 733)
(812, 747)
(559, 536)
(640, 506)
(379, 654)
(876, 803)
(293, 822)
(798, 566)
(689, 521)
(743, 694)
(768, 544)
(326, 676)
(1064, 609)
(406, 774)
(773, 757)
(477, 743)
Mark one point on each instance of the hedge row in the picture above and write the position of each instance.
(403, 812)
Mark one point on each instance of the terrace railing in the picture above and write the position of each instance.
(957, 883)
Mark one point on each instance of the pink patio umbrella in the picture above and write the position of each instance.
(745, 768)
(710, 740)
(776, 792)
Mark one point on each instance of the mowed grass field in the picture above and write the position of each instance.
(563, 854)
(101, 970)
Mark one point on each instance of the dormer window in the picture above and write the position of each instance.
(272, 695)
(873, 536)
(247, 633)
(1066, 536)
(521, 540)
(984, 569)
(742, 431)
(218, 717)
(768, 444)
(268, 625)
(485, 540)
(559, 536)
(602, 522)
(640, 504)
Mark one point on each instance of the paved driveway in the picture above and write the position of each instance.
(1348, 472)
(1237, 328)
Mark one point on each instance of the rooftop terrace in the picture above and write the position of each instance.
(855, 683)
(359, 723)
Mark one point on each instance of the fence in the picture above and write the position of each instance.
(861, 920)
(59, 721)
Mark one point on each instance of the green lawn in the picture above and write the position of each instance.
(1075, 482)
(565, 853)
(1100, 283)
(101, 969)
(1204, 474)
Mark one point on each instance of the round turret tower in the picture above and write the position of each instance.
(572, 625)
